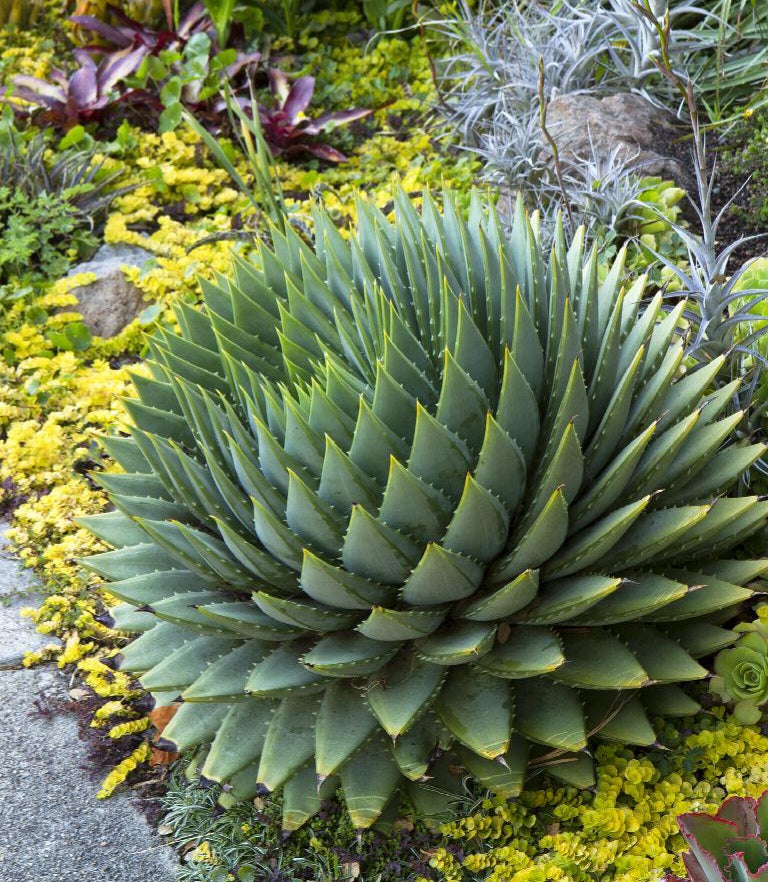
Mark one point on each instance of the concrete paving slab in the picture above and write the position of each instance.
(52, 827)
(17, 590)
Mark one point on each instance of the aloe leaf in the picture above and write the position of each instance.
(549, 713)
(457, 644)
(662, 657)
(302, 799)
(710, 595)
(526, 652)
(184, 665)
(195, 724)
(517, 411)
(668, 701)
(309, 616)
(617, 716)
(343, 483)
(290, 740)
(514, 596)
(500, 466)
(441, 576)
(391, 624)
(153, 646)
(374, 443)
(653, 533)
(637, 595)
(368, 781)
(403, 691)
(239, 740)
(344, 724)
(462, 406)
(335, 587)
(151, 588)
(375, 551)
(505, 775)
(281, 673)
(539, 542)
(438, 457)
(415, 750)
(413, 506)
(609, 486)
(246, 619)
(701, 638)
(477, 709)
(597, 659)
(225, 678)
(593, 543)
(312, 519)
(480, 524)
(134, 560)
(182, 609)
(348, 655)
(564, 599)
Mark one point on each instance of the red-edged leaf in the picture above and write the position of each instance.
(697, 873)
(299, 97)
(740, 810)
(707, 837)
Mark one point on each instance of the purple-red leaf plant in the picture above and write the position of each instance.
(128, 33)
(87, 95)
(287, 129)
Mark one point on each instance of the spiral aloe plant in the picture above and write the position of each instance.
(419, 504)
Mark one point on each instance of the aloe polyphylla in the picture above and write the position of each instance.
(729, 846)
(418, 502)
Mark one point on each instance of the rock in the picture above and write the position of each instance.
(111, 302)
(642, 133)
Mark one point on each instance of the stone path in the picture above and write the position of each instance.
(52, 827)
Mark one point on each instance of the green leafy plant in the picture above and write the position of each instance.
(729, 846)
(49, 208)
(742, 672)
(419, 504)
(191, 77)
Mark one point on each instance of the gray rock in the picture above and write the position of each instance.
(641, 132)
(111, 302)
(17, 590)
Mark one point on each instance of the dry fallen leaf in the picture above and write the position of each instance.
(403, 824)
(162, 757)
(165, 829)
(78, 694)
(161, 716)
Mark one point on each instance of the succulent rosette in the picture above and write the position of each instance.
(420, 504)
(741, 672)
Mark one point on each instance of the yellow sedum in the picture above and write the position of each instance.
(624, 831)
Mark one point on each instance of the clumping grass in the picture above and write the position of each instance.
(245, 842)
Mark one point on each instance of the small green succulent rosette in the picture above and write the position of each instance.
(741, 673)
